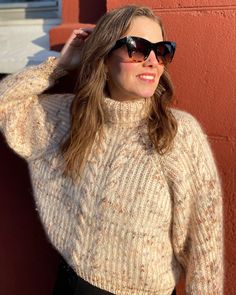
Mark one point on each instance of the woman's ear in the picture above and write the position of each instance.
(106, 68)
(106, 62)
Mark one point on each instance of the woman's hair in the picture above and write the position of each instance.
(87, 110)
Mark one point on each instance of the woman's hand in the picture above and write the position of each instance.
(70, 54)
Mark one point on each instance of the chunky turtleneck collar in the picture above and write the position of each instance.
(131, 112)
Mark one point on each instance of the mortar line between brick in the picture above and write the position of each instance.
(196, 8)
(221, 138)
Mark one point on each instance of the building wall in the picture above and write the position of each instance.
(204, 76)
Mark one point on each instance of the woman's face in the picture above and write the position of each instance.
(129, 80)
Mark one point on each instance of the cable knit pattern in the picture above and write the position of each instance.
(136, 219)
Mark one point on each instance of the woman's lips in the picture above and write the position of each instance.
(147, 77)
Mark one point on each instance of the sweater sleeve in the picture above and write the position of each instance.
(28, 117)
(197, 232)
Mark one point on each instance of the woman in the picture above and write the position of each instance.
(126, 187)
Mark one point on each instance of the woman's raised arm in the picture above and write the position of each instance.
(27, 116)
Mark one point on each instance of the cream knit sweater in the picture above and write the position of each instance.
(137, 219)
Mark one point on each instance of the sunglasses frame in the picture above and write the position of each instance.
(129, 41)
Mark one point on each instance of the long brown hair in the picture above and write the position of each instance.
(87, 110)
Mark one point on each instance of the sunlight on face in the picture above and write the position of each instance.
(129, 81)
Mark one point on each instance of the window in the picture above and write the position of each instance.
(29, 9)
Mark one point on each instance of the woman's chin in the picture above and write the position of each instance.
(146, 94)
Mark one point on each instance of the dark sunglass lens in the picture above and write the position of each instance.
(138, 49)
(165, 53)
(137, 56)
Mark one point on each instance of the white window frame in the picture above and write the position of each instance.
(32, 10)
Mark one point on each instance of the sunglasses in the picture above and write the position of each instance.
(139, 49)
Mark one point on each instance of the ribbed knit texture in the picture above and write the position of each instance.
(136, 219)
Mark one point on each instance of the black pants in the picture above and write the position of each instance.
(68, 283)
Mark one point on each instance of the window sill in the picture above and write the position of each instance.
(30, 11)
(29, 22)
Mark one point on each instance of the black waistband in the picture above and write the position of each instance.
(68, 283)
(85, 288)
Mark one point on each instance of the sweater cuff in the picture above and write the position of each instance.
(51, 70)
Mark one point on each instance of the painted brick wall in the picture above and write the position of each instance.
(205, 77)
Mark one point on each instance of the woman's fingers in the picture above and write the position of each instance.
(88, 31)
(82, 33)
(69, 58)
(77, 38)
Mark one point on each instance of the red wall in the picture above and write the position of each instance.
(204, 75)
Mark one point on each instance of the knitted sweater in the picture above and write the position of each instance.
(136, 220)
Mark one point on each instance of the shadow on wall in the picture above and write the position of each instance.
(88, 15)
(27, 258)
(42, 43)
